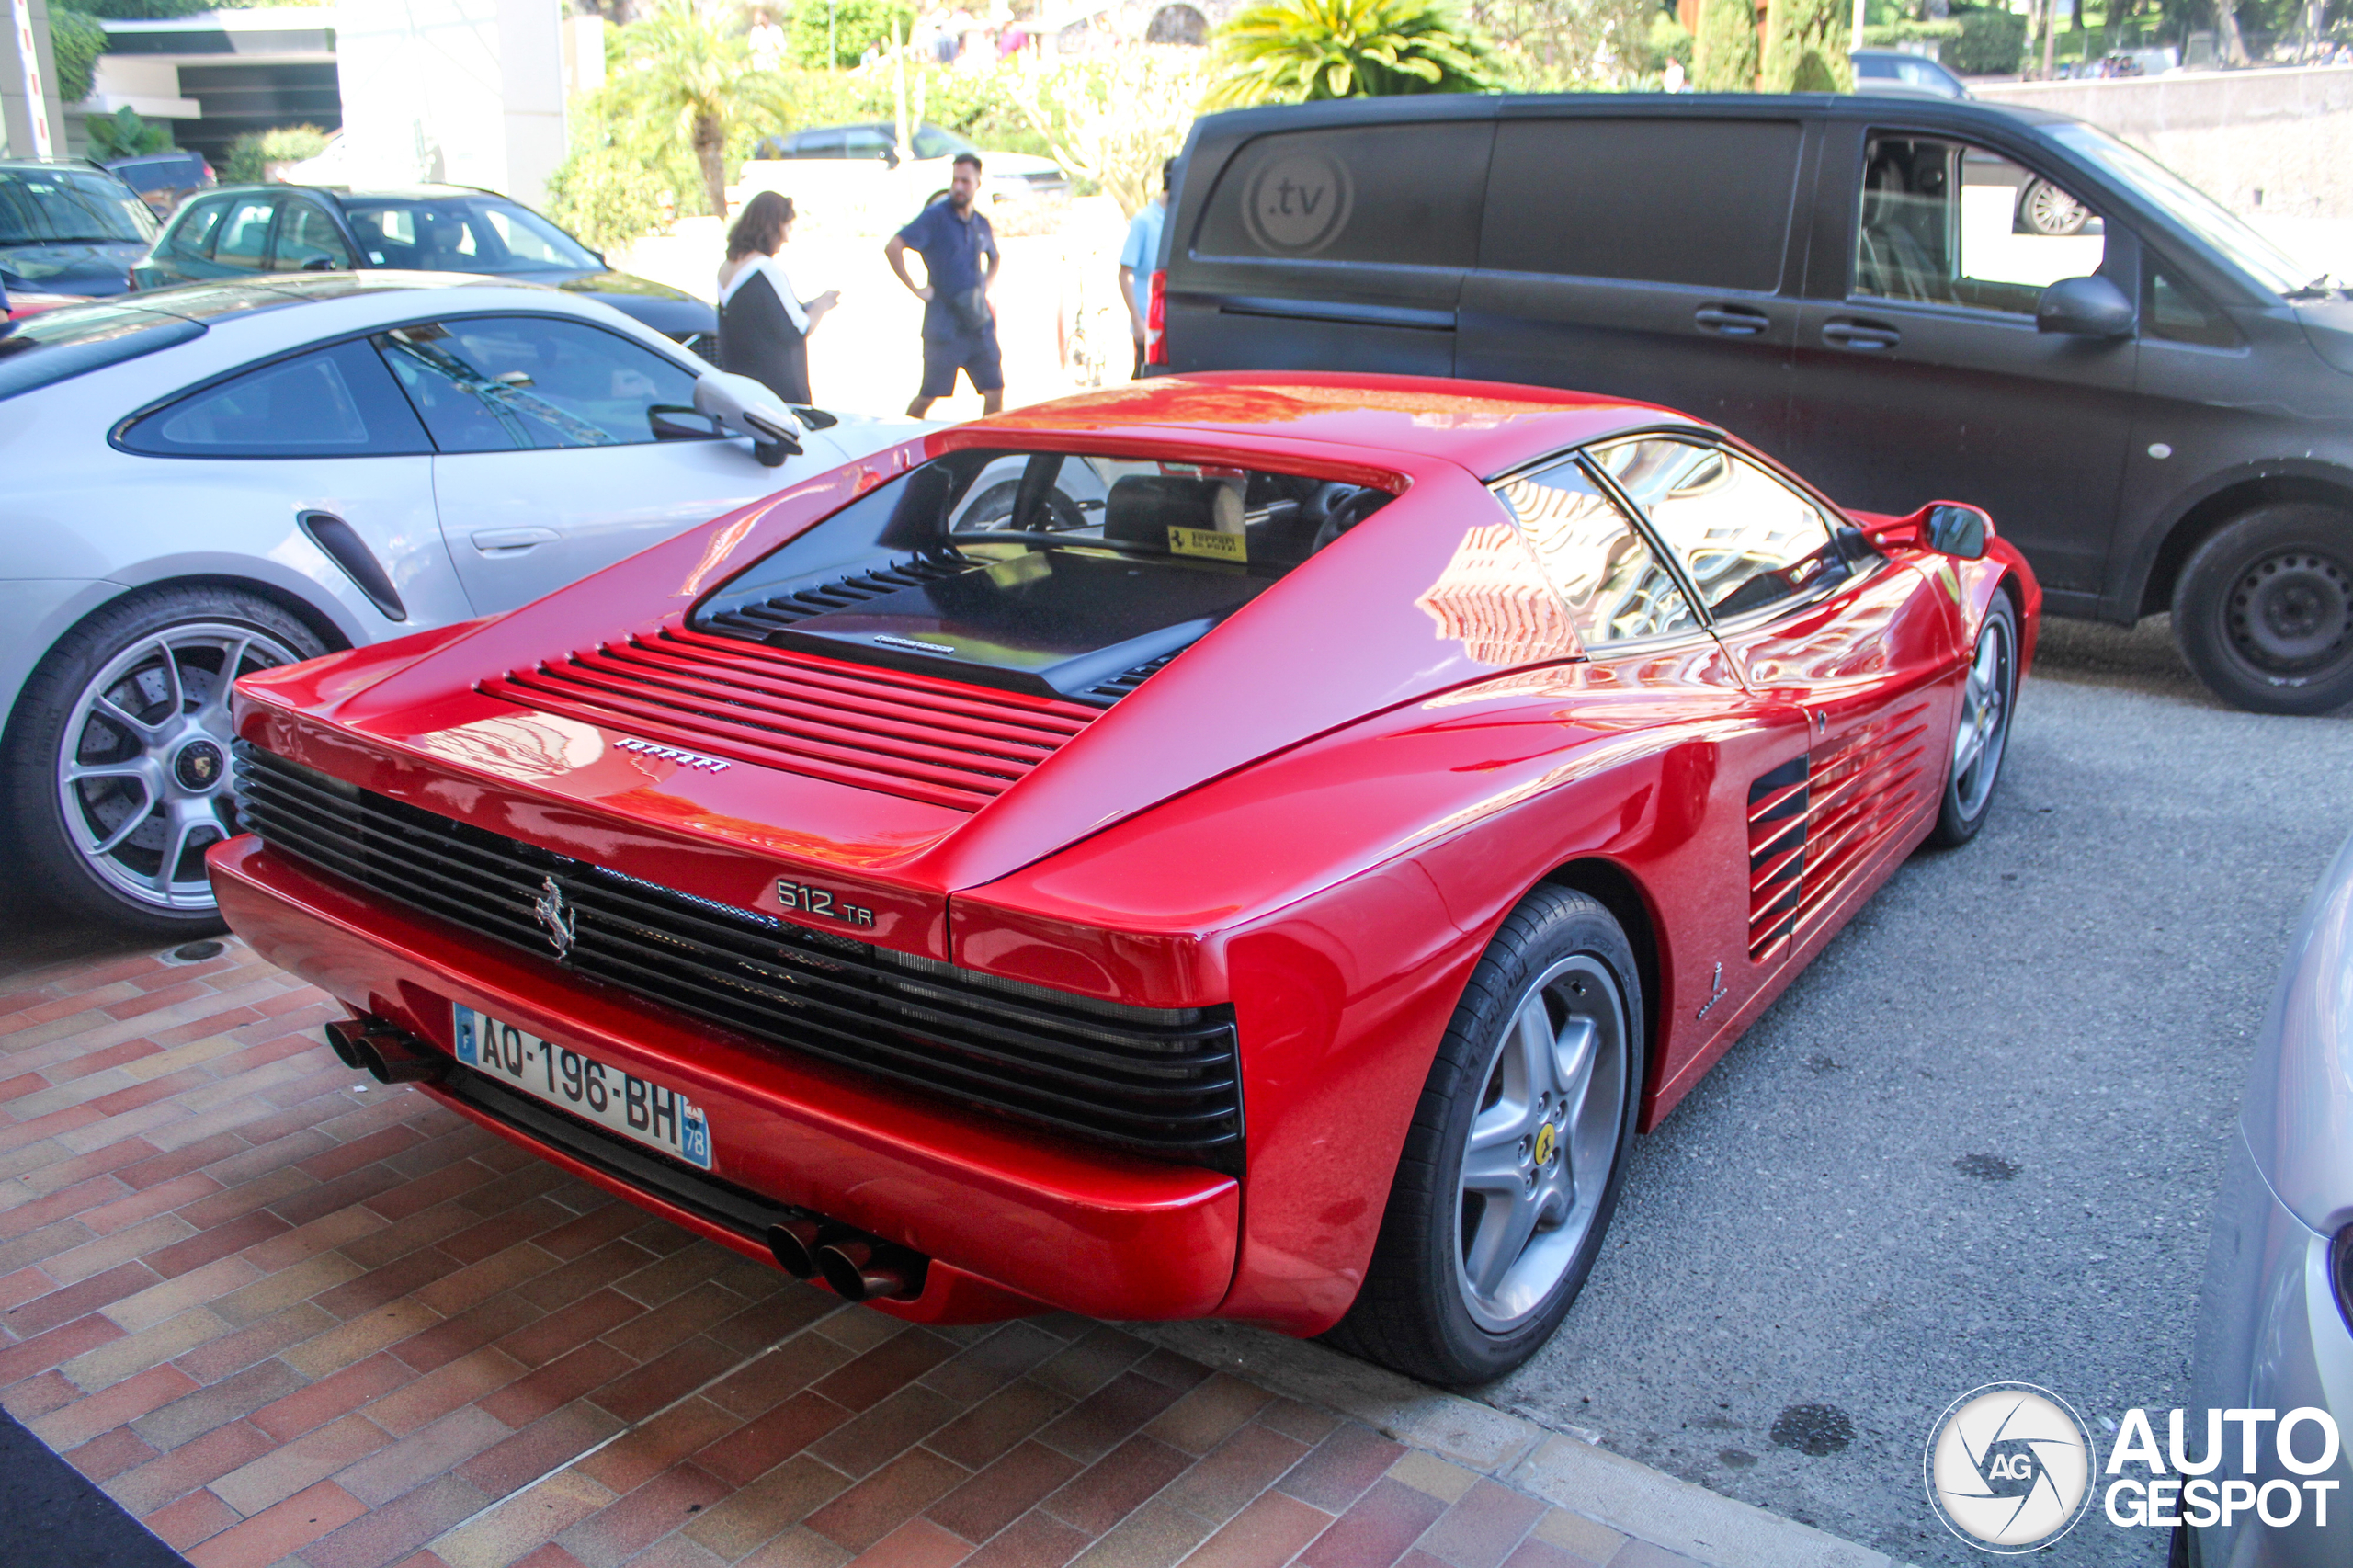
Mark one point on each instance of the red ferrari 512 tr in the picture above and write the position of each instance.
(1251, 847)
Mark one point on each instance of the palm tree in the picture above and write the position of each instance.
(679, 75)
(1288, 51)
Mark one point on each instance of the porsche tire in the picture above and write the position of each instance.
(1981, 731)
(1516, 1153)
(2263, 610)
(118, 753)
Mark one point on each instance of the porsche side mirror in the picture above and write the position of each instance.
(742, 404)
(2083, 307)
(672, 422)
(1948, 528)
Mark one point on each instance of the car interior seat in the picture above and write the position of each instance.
(1143, 508)
(1890, 259)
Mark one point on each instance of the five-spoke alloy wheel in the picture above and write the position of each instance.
(1516, 1152)
(1981, 733)
(119, 757)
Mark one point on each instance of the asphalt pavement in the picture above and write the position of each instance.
(1978, 1140)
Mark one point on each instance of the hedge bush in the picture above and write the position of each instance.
(1991, 43)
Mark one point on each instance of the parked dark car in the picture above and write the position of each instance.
(68, 229)
(164, 180)
(279, 228)
(2157, 405)
(1896, 71)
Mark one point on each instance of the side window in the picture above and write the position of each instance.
(1390, 195)
(308, 240)
(818, 144)
(1556, 183)
(2172, 312)
(333, 402)
(193, 234)
(1615, 588)
(866, 141)
(243, 235)
(1748, 541)
(1946, 224)
(499, 383)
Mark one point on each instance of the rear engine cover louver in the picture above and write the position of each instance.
(1814, 823)
(901, 735)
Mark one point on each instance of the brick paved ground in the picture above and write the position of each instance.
(284, 1316)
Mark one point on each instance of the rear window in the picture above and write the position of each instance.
(1063, 576)
(62, 206)
(1404, 195)
(1704, 202)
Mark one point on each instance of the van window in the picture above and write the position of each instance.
(1704, 202)
(2172, 312)
(1950, 224)
(1406, 195)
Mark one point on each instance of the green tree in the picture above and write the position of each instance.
(1723, 55)
(680, 77)
(1808, 51)
(123, 134)
(846, 29)
(1288, 51)
(252, 155)
(78, 41)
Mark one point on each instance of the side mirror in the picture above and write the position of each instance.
(672, 423)
(1948, 528)
(890, 157)
(744, 406)
(2084, 307)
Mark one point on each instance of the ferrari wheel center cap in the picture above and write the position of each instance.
(201, 766)
(1545, 1143)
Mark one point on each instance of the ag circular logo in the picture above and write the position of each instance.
(1298, 203)
(2009, 1467)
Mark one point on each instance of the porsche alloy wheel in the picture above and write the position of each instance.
(1517, 1154)
(1980, 734)
(121, 755)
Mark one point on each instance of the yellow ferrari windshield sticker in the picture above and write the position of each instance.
(1208, 544)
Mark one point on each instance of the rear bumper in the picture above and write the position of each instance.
(1092, 1232)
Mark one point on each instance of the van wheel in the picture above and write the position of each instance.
(2264, 610)
(1512, 1165)
(118, 757)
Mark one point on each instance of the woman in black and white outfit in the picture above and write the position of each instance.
(763, 326)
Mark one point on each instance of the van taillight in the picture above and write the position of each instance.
(1156, 322)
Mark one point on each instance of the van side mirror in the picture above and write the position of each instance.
(2084, 307)
(744, 406)
(1948, 528)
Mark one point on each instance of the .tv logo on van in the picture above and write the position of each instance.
(1298, 203)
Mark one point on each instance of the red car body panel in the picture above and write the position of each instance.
(1329, 853)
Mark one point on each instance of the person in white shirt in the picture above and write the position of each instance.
(1139, 256)
(764, 326)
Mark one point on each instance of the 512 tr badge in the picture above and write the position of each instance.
(811, 899)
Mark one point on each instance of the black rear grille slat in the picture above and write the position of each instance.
(1160, 1082)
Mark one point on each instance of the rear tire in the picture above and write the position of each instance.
(2264, 610)
(1516, 1153)
(117, 760)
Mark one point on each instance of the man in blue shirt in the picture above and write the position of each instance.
(959, 323)
(1137, 259)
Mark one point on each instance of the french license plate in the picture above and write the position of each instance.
(632, 1107)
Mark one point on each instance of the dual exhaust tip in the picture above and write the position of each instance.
(384, 1053)
(860, 1268)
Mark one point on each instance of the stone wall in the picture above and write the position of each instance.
(2267, 143)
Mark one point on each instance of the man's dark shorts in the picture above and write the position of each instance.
(974, 353)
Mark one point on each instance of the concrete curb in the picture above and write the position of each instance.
(1580, 1476)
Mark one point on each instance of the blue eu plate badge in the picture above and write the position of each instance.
(636, 1109)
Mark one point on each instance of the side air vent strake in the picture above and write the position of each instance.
(1777, 833)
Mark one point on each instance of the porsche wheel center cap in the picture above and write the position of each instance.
(199, 767)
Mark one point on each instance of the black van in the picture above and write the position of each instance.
(1905, 299)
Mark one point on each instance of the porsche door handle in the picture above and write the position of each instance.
(1730, 321)
(1861, 336)
(512, 542)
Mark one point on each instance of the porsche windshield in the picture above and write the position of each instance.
(1059, 576)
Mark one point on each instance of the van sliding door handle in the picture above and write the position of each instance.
(1730, 321)
(1861, 336)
